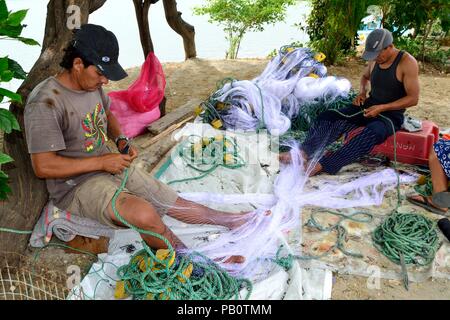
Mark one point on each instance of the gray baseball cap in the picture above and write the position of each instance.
(377, 40)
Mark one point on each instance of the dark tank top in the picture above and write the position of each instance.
(386, 88)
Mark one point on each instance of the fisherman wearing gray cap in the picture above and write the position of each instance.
(394, 81)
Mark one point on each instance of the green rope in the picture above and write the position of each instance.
(412, 235)
(425, 190)
(15, 231)
(263, 120)
(163, 168)
(213, 154)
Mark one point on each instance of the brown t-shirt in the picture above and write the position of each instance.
(71, 123)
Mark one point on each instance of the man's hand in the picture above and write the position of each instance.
(374, 111)
(115, 163)
(132, 152)
(360, 99)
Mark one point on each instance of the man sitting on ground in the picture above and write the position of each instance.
(68, 122)
(394, 80)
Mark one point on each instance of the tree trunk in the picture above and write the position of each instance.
(185, 30)
(142, 8)
(428, 29)
(29, 195)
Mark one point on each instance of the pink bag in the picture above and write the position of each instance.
(138, 106)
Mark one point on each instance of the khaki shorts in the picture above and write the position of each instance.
(92, 197)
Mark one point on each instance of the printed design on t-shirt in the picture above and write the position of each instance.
(94, 127)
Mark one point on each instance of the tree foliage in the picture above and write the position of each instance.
(335, 33)
(403, 15)
(10, 29)
(240, 16)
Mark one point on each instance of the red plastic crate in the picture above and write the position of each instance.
(412, 147)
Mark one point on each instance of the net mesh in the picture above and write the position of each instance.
(23, 279)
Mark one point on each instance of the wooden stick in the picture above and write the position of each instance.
(166, 132)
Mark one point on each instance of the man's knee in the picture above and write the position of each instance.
(135, 211)
(378, 132)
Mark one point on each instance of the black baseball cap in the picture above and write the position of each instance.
(101, 48)
(377, 40)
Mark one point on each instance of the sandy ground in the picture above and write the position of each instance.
(198, 79)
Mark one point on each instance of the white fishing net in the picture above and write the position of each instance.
(291, 80)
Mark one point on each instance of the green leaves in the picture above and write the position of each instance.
(8, 122)
(4, 158)
(13, 96)
(18, 72)
(11, 24)
(3, 10)
(15, 19)
(4, 187)
(10, 29)
(28, 41)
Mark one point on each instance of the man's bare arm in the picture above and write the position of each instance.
(364, 83)
(365, 79)
(49, 165)
(114, 130)
(412, 86)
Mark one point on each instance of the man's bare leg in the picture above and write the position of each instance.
(316, 170)
(139, 213)
(438, 176)
(143, 215)
(286, 157)
(195, 213)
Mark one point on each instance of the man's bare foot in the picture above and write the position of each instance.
(286, 157)
(426, 203)
(317, 169)
(234, 221)
(232, 260)
(241, 219)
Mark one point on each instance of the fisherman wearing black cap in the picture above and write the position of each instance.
(68, 122)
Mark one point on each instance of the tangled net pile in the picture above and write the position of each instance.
(289, 95)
